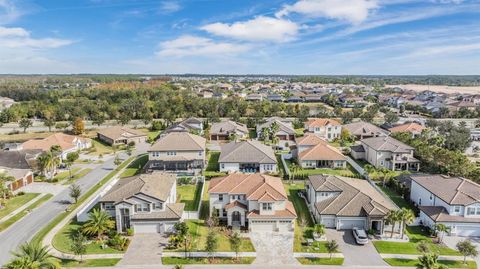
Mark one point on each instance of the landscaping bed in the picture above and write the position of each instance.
(321, 261)
(175, 260)
(89, 263)
(414, 263)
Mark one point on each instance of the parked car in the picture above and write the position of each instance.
(360, 236)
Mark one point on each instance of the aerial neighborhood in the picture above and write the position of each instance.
(243, 170)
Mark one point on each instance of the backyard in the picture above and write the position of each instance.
(300, 173)
(212, 165)
(396, 198)
(190, 195)
(135, 167)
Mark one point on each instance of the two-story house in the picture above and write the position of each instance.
(179, 152)
(452, 201)
(328, 129)
(386, 152)
(256, 202)
(343, 203)
(192, 125)
(146, 203)
(249, 156)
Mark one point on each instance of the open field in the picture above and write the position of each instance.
(439, 88)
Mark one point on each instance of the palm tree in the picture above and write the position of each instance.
(274, 128)
(32, 255)
(429, 261)
(293, 171)
(407, 216)
(99, 222)
(332, 246)
(442, 228)
(392, 218)
(48, 163)
(265, 135)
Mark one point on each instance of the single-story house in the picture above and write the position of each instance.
(249, 156)
(362, 129)
(117, 135)
(191, 125)
(222, 130)
(411, 127)
(285, 132)
(68, 143)
(19, 164)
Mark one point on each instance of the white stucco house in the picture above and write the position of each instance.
(328, 129)
(249, 156)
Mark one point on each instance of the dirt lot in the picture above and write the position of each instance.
(439, 88)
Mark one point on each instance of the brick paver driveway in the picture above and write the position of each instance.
(273, 248)
(145, 249)
(355, 254)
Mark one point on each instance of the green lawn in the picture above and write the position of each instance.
(416, 235)
(175, 260)
(189, 194)
(100, 147)
(15, 202)
(65, 174)
(204, 207)
(4, 225)
(320, 261)
(252, 133)
(303, 173)
(62, 241)
(213, 161)
(89, 263)
(78, 175)
(281, 168)
(135, 167)
(198, 231)
(413, 263)
(396, 198)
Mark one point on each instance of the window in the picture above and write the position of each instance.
(142, 208)
(171, 153)
(267, 206)
(200, 153)
(108, 206)
(470, 210)
(223, 166)
(431, 196)
(158, 206)
(456, 209)
(220, 197)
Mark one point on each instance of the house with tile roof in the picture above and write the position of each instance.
(386, 152)
(362, 129)
(222, 130)
(452, 201)
(121, 135)
(411, 127)
(286, 131)
(329, 129)
(68, 143)
(146, 203)
(312, 151)
(256, 202)
(249, 156)
(343, 203)
(179, 152)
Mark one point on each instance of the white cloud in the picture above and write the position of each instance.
(170, 7)
(353, 11)
(16, 37)
(8, 12)
(13, 32)
(188, 45)
(258, 29)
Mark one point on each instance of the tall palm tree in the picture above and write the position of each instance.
(442, 228)
(274, 128)
(392, 218)
(407, 216)
(99, 222)
(32, 255)
(265, 135)
(48, 163)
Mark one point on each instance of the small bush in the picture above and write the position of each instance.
(129, 231)
(20, 193)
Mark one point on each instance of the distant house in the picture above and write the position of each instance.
(249, 156)
(412, 127)
(314, 152)
(386, 152)
(343, 203)
(275, 98)
(19, 164)
(191, 125)
(145, 203)
(222, 130)
(313, 98)
(6, 102)
(254, 97)
(452, 201)
(328, 129)
(256, 202)
(121, 135)
(294, 99)
(68, 143)
(206, 94)
(363, 130)
(179, 152)
(286, 131)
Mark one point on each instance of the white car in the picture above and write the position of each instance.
(360, 236)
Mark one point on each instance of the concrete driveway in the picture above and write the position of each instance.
(145, 249)
(451, 242)
(355, 255)
(273, 248)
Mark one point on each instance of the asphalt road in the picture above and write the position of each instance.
(26, 228)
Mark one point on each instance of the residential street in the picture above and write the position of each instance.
(256, 266)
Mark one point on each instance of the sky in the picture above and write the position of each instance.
(309, 37)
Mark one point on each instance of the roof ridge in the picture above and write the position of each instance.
(351, 200)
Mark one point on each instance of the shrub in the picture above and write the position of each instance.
(118, 242)
(129, 231)
(20, 193)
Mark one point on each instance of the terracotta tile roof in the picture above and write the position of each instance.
(387, 143)
(179, 141)
(116, 132)
(287, 213)
(440, 214)
(452, 190)
(321, 152)
(407, 127)
(362, 128)
(310, 139)
(65, 141)
(235, 204)
(320, 122)
(250, 151)
(227, 127)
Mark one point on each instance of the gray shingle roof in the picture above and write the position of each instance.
(439, 213)
(284, 127)
(362, 128)
(250, 151)
(179, 141)
(18, 159)
(227, 127)
(172, 211)
(386, 144)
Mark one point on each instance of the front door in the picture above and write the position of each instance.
(236, 218)
(125, 215)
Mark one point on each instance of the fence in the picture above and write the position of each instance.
(196, 214)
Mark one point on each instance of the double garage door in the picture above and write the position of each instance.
(150, 227)
(473, 231)
(348, 224)
(270, 226)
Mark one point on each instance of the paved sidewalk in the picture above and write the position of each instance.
(414, 257)
(20, 209)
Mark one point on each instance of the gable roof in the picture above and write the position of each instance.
(386, 143)
(172, 211)
(251, 151)
(452, 190)
(116, 132)
(185, 126)
(321, 152)
(356, 197)
(179, 141)
(18, 159)
(285, 127)
(362, 128)
(407, 127)
(156, 185)
(310, 139)
(65, 141)
(226, 127)
(254, 186)
(320, 122)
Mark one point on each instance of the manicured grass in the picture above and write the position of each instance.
(396, 198)
(89, 263)
(65, 174)
(416, 235)
(21, 137)
(413, 263)
(198, 231)
(301, 173)
(213, 161)
(15, 202)
(320, 261)
(280, 167)
(135, 167)
(190, 194)
(62, 241)
(4, 225)
(78, 175)
(204, 207)
(175, 260)
(101, 147)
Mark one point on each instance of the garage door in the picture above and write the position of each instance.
(468, 231)
(349, 224)
(262, 226)
(328, 222)
(146, 228)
